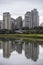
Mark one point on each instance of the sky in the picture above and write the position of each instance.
(20, 7)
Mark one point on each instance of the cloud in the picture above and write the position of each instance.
(13, 1)
(10, 1)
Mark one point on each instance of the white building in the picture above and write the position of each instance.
(28, 20)
(6, 20)
(41, 24)
(1, 24)
(35, 18)
(32, 18)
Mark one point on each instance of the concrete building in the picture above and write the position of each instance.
(1, 24)
(13, 23)
(16, 23)
(41, 24)
(35, 18)
(19, 22)
(32, 18)
(28, 19)
(23, 23)
(6, 20)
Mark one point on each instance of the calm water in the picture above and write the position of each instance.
(21, 52)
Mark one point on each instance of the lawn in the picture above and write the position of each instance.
(21, 35)
(37, 37)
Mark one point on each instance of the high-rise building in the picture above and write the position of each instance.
(28, 20)
(23, 23)
(6, 20)
(32, 18)
(35, 18)
(19, 22)
(41, 24)
(13, 23)
(1, 24)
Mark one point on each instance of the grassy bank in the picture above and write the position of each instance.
(22, 35)
(35, 37)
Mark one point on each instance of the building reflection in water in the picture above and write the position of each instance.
(6, 48)
(17, 45)
(31, 49)
(1, 44)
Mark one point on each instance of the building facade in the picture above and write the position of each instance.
(35, 18)
(19, 22)
(13, 23)
(28, 20)
(6, 21)
(1, 24)
(32, 18)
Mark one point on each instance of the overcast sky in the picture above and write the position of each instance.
(20, 7)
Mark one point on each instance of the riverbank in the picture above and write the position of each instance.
(22, 35)
(34, 37)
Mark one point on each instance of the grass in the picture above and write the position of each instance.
(21, 35)
(34, 37)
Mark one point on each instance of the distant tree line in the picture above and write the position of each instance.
(25, 30)
(36, 30)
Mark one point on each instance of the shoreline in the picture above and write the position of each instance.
(32, 37)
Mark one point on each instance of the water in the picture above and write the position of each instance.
(21, 52)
